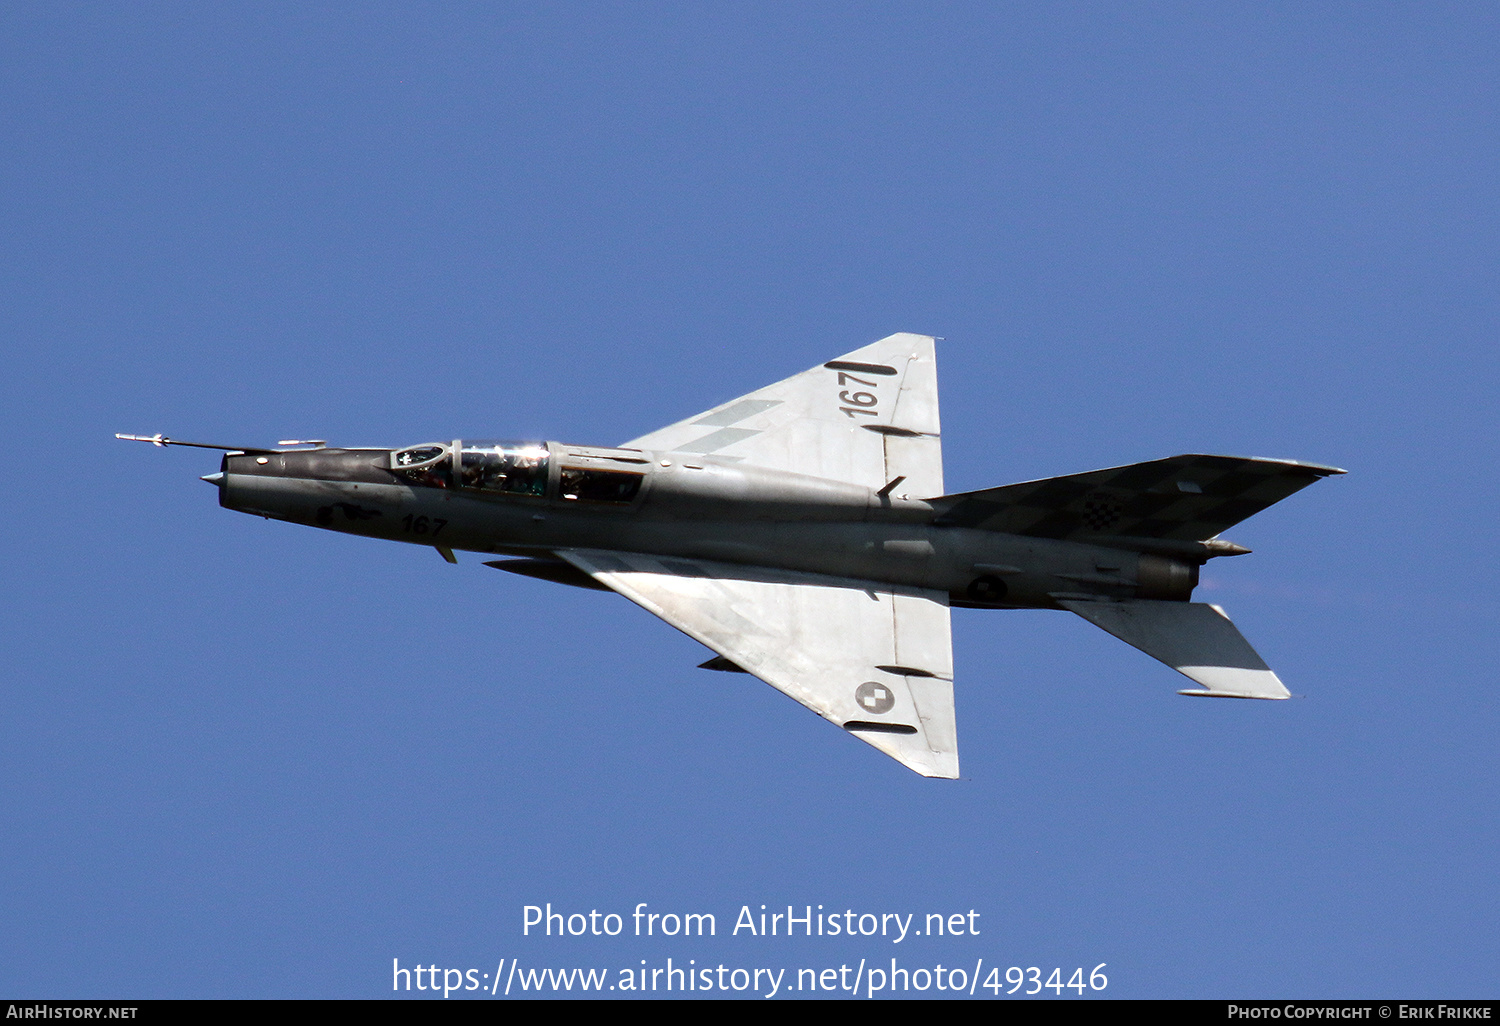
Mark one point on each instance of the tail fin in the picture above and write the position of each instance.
(1182, 498)
(1195, 639)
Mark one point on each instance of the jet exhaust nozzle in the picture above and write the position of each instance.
(1162, 578)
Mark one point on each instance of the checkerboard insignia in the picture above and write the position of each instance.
(1101, 511)
(874, 698)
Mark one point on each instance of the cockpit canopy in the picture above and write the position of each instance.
(513, 468)
(522, 469)
(518, 468)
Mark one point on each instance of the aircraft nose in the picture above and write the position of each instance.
(213, 479)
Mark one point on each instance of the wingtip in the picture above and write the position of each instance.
(1321, 469)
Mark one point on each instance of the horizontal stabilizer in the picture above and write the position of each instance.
(1195, 639)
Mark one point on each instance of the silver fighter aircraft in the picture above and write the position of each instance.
(802, 533)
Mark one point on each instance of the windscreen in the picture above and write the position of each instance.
(429, 465)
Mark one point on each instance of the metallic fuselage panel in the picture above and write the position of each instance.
(696, 510)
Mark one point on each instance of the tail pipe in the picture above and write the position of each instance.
(1159, 577)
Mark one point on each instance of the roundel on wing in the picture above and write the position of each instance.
(874, 698)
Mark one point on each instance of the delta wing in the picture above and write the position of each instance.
(877, 660)
(867, 418)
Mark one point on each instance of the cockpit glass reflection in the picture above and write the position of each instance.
(514, 468)
(428, 465)
(418, 454)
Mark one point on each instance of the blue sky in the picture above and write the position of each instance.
(242, 758)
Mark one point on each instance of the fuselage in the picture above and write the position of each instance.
(533, 498)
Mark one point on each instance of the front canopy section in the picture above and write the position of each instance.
(430, 465)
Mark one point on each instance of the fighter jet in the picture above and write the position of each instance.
(802, 533)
